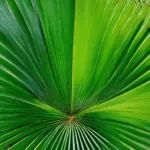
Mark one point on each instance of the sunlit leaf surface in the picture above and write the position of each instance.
(74, 75)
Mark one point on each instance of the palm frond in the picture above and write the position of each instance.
(74, 74)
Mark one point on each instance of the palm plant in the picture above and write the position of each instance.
(74, 75)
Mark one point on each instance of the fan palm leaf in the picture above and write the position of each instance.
(74, 75)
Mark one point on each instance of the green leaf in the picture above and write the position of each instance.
(74, 74)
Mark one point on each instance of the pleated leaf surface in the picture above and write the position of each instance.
(74, 75)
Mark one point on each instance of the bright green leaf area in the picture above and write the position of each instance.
(74, 75)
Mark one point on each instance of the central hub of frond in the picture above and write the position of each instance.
(71, 118)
